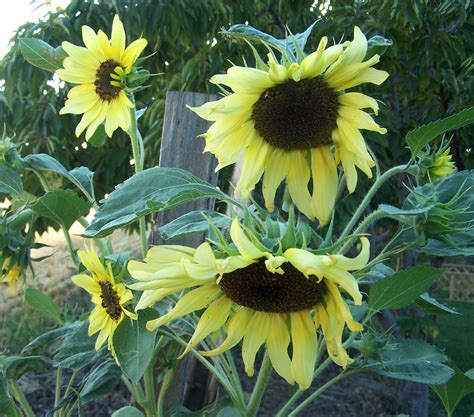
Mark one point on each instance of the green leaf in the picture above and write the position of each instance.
(43, 303)
(41, 54)
(7, 406)
(99, 137)
(411, 360)
(377, 45)
(149, 191)
(222, 408)
(423, 135)
(80, 177)
(402, 288)
(452, 392)
(395, 211)
(100, 381)
(16, 366)
(62, 206)
(431, 305)
(128, 412)
(134, 344)
(10, 181)
(192, 223)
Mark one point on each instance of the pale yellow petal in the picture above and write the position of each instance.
(132, 52)
(358, 101)
(278, 341)
(360, 119)
(87, 282)
(314, 64)
(255, 336)
(298, 182)
(90, 40)
(245, 246)
(118, 38)
(359, 262)
(277, 166)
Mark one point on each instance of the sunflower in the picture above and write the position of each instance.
(11, 274)
(443, 164)
(110, 298)
(98, 69)
(296, 121)
(258, 297)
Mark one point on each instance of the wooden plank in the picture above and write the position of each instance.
(180, 148)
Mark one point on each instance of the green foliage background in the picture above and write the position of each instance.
(430, 66)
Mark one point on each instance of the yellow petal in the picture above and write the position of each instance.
(243, 243)
(118, 38)
(343, 308)
(232, 104)
(305, 347)
(87, 282)
(80, 104)
(359, 119)
(346, 281)
(169, 253)
(151, 297)
(92, 262)
(298, 181)
(325, 183)
(358, 101)
(244, 80)
(132, 52)
(277, 72)
(314, 64)
(359, 262)
(277, 165)
(306, 262)
(90, 40)
(255, 336)
(277, 346)
(87, 118)
(98, 120)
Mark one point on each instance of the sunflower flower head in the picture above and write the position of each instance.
(109, 297)
(100, 69)
(257, 296)
(11, 274)
(293, 120)
(442, 164)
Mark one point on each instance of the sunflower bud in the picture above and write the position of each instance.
(436, 164)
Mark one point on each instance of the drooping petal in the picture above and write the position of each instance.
(255, 336)
(278, 341)
(243, 243)
(314, 64)
(359, 262)
(298, 182)
(277, 166)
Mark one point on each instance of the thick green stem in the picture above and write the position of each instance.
(138, 159)
(167, 380)
(150, 394)
(260, 386)
(370, 194)
(57, 393)
(20, 397)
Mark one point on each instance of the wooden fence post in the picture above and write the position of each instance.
(180, 148)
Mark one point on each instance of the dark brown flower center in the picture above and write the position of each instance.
(257, 288)
(103, 88)
(297, 115)
(110, 300)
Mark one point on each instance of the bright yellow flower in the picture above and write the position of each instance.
(98, 68)
(257, 297)
(11, 274)
(110, 298)
(443, 164)
(296, 122)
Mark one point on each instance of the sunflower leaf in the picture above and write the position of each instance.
(10, 181)
(147, 192)
(41, 54)
(127, 412)
(402, 288)
(418, 138)
(43, 303)
(7, 406)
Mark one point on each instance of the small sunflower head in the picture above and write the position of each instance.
(11, 273)
(436, 163)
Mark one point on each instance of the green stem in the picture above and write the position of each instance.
(167, 380)
(138, 158)
(318, 392)
(57, 393)
(20, 397)
(68, 390)
(370, 194)
(150, 394)
(260, 386)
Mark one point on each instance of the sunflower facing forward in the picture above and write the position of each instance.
(98, 69)
(296, 121)
(110, 298)
(258, 297)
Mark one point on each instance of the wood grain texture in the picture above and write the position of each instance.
(181, 148)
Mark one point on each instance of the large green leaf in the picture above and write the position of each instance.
(128, 412)
(81, 177)
(193, 222)
(99, 382)
(7, 406)
(10, 181)
(411, 360)
(402, 288)
(423, 135)
(134, 345)
(43, 303)
(15, 366)
(452, 392)
(149, 191)
(431, 305)
(62, 206)
(41, 54)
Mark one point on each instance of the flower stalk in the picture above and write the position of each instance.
(260, 386)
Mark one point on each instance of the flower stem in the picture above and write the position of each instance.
(57, 393)
(135, 139)
(260, 386)
(150, 395)
(167, 380)
(370, 194)
(20, 397)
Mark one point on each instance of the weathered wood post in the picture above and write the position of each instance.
(181, 149)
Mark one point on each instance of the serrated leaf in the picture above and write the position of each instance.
(453, 391)
(78, 176)
(377, 45)
(431, 305)
(192, 223)
(62, 206)
(134, 344)
(418, 138)
(43, 303)
(41, 54)
(412, 360)
(16, 366)
(10, 181)
(128, 412)
(402, 288)
(150, 191)
(99, 382)
(395, 211)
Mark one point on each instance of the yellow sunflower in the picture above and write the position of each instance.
(110, 298)
(296, 121)
(443, 164)
(258, 297)
(97, 69)
(11, 274)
